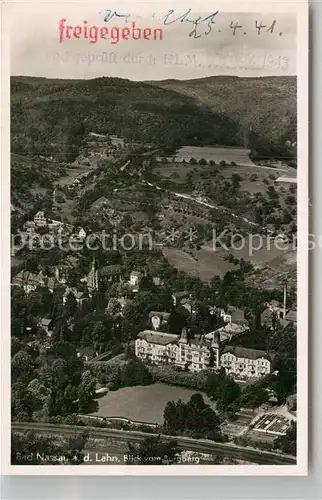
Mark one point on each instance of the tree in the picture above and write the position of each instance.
(22, 405)
(224, 390)
(195, 419)
(86, 392)
(73, 448)
(147, 284)
(30, 448)
(114, 308)
(193, 161)
(235, 181)
(70, 305)
(202, 161)
(98, 337)
(40, 395)
(253, 396)
(22, 366)
(154, 451)
(178, 320)
(134, 372)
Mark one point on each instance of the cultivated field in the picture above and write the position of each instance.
(238, 155)
(253, 176)
(143, 404)
(177, 172)
(206, 263)
(74, 173)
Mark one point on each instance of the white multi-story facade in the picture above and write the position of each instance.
(39, 219)
(164, 348)
(242, 362)
(156, 347)
(201, 353)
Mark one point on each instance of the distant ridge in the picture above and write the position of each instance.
(266, 105)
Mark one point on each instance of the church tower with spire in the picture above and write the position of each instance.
(92, 278)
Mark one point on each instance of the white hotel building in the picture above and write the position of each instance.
(199, 353)
(242, 362)
(164, 348)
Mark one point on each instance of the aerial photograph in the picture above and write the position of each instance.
(153, 239)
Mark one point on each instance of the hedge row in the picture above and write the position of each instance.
(168, 375)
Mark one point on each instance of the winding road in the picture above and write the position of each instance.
(192, 198)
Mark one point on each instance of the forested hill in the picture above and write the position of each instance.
(267, 105)
(49, 115)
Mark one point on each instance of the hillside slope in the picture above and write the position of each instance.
(49, 117)
(266, 105)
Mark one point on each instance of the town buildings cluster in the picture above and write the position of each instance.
(200, 352)
(156, 345)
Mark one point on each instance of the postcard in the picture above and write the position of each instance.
(155, 238)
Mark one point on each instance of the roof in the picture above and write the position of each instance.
(136, 273)
(243, 352)
(156, 280)
(158, 337)
(111, 270)
(291, 316)
(161, 314)
(179, 295)
(284, 323)
(86, 351)
(236, 313)
(27, 277)
(199, 341)
(287, 179)
(45, 321)
(77, 294)
(274, 303)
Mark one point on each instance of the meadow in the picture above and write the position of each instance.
(142, 403)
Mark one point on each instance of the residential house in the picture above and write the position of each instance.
(291, 317)
(134, 281)
(39, 219)
(274, 312)
(80, 296)
(275, 315)
(30, 281)
(30, 227)
(228, 331)
(156, 347)
(179, 297)
(189, 305)
(233, 315)
(159, 320)
(46, 324)
(112, 273)
(243, 362)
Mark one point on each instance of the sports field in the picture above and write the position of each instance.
(142, 403)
